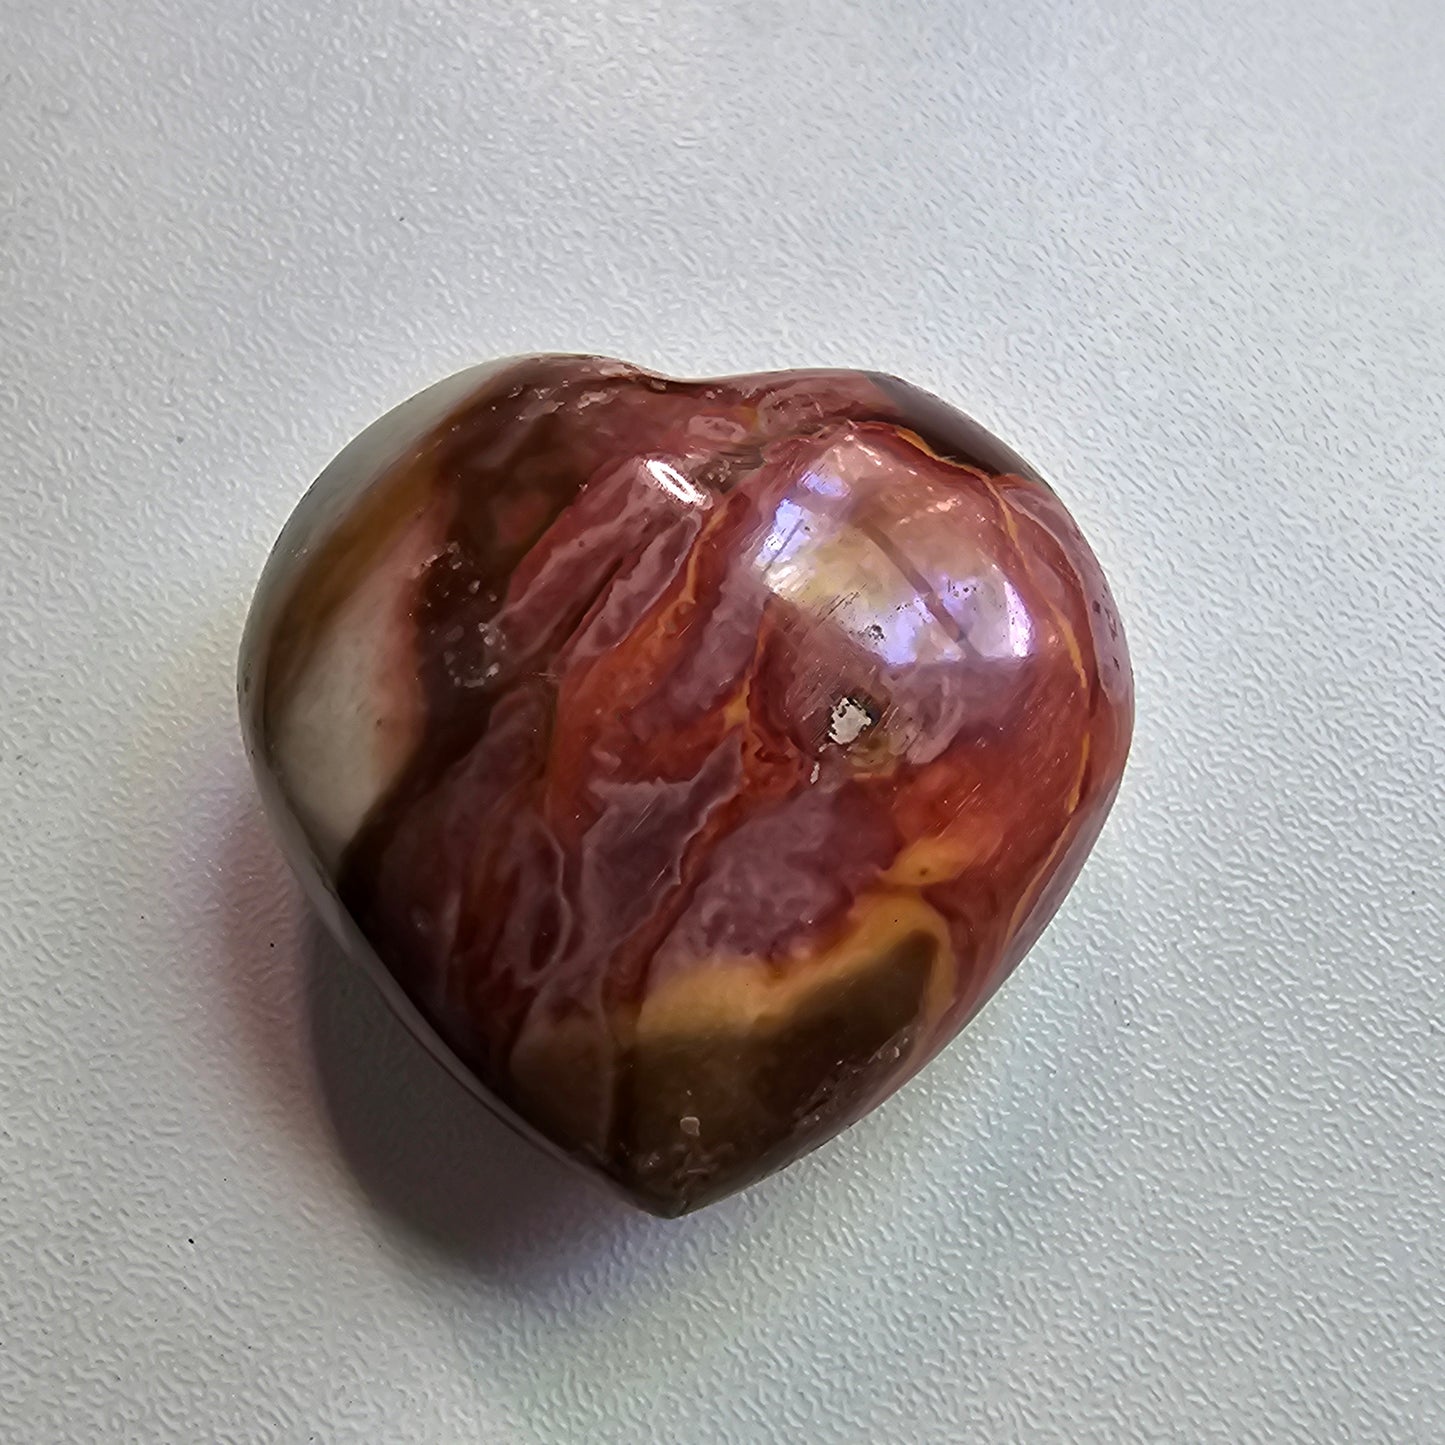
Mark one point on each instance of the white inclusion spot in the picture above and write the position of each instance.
(848, 721)
(689, 1125)
(817, 768)
(675, 484)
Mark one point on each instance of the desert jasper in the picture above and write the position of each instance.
(694, 757)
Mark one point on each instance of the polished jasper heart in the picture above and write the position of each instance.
(694, 757)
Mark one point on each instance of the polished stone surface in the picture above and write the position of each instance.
(696, 757)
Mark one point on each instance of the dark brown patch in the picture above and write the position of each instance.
(762, 1099)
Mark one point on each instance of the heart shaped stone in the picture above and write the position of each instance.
(690, 760)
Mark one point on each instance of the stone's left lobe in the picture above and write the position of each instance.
(695, 757)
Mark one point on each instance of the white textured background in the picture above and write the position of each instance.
(1185, 1181)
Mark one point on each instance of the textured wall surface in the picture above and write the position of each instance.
(1183, 1181)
